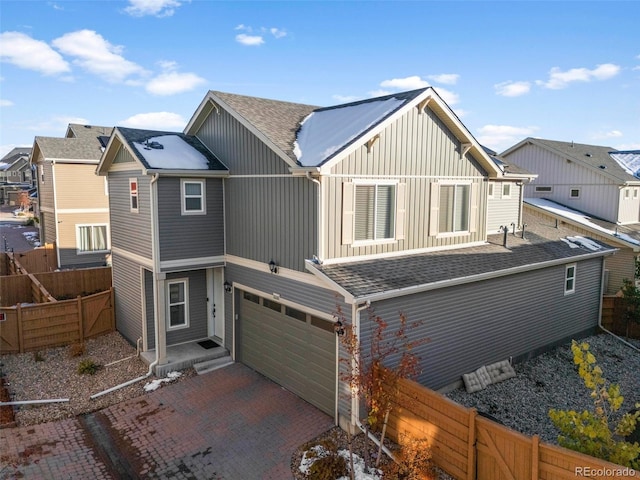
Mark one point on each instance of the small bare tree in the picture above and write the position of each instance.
(369, 372)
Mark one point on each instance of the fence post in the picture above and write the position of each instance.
(535, 457)
(80, 319)
(20, 339)
(471, 445)
(113, 310)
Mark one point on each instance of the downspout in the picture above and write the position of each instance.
(321, 222)
(600, 313)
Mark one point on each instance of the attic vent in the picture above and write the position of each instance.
(588, 155)
(602, 167)
(87, 126)
(154, 145)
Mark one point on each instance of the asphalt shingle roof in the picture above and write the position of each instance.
(541, 244)
(84, 146)
(132, 135)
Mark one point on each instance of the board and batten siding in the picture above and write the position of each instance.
(510, 316)
(190, 236)
(130, 231)
(503, 211)
(272, 218)
(127, 284)
(629, 201)
(237, 147)
(417, 150)
(598, 194)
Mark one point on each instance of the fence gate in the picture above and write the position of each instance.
(501, 455)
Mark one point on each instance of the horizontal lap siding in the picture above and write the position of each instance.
(130, 231)
(197, 308)
(45, 189)
(78, 186)
(68, 239)
(48, 227)
(149, 309)
(190, 236)
(128, 297)
(500, 318)
(417, 149)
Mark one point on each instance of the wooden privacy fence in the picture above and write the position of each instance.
(613, 310)
(71, 283)
(470, 447)
(34, 327)
(41, 259)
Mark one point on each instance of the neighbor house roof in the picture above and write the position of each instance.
(161, 151)
(599, 158)
(380, 278)
(14, 156)
(509, 169)
(83, 147)
(628, 234)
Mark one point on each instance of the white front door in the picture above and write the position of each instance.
(215, 303)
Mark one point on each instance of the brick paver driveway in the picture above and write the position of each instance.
(229, 424)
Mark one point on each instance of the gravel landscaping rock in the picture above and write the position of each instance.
(53, 373)
(551, 380)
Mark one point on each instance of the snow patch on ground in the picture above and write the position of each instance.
(155, 384)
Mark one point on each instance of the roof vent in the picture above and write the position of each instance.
(602, 167)
(588, 155)
(153, 145)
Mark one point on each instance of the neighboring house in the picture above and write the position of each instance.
(626, 238)
(73, 204)
(301, 210)
(15, 175)
(601, 181)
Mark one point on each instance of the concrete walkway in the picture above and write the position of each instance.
(229, 424)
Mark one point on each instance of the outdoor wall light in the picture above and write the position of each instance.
(338, 328)
(273, 267)
(227, 287)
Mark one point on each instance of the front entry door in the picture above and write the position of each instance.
(215, 303)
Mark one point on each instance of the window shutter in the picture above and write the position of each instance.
(401, 206)
(473, 214)
(347, 213)
(434, 209)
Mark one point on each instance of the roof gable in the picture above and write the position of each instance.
(161, 152)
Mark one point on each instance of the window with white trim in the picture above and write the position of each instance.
(133, 195)
(490, 190)
(177, 304)
(41, 168)
(506, 190)
(635, 193)
(92, 238)
(574, 193)
(193, 197)
(626, 194)
(374, 212)
(454, 208)
(570, 279)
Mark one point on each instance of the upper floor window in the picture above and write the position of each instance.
(374, 212)
(570, 279)
(490, 190)
(635, 193)
(41, 168)
(454, 208)
(133, 194)
(574, 193)
(193, 197)
(92, 238)
(506, 190)
(626, 194)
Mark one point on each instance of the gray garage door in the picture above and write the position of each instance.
(291, 347)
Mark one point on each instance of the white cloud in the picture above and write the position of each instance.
(25, 52)
(155, 121)
(559, 79)
(379, 93)
(512, 89)
(445, 78)
(171, 82)
(249, 40)
(448, 96)
(276, 32)
(408, 83)
(346, 98)
(501, 137)
(57, 125)
(97, 55)
(613, 134)
(156, 8)
(6, 103)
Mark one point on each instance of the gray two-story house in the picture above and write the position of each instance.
(379, 205)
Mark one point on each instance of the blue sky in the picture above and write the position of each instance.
(555, 70)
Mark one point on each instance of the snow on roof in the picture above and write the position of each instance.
(325, 132)
(578, 217)
(577, 242)
(172, 152)
(4, 166)
(629, 161)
